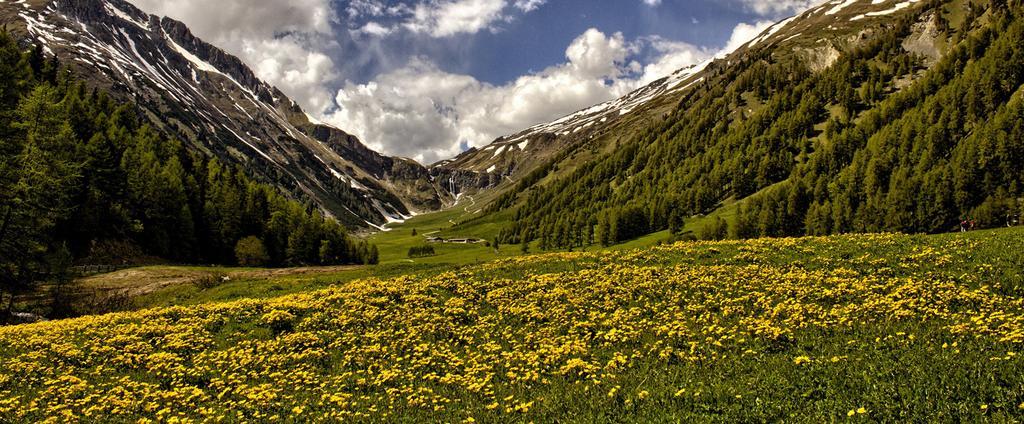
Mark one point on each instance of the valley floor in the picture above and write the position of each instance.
(861, 327)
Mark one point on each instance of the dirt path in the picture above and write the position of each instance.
(142, 281)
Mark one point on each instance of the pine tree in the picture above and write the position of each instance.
(35, 184)
(676, 223)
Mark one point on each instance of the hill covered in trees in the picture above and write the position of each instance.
(908, 119)
(81, 177)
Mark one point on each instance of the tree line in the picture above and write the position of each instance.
(81, 176)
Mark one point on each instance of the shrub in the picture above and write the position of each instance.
(421, 251)
(250, 251)
(718, 229)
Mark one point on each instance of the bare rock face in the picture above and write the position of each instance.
(819, 58)
(925, 40)
(196, 92)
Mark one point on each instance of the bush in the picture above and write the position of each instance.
(211, 280)
(421, 251)
(715, 230)
(250, 251)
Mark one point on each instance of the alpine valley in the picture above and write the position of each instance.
(819, 224)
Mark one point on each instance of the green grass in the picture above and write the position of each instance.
(889, 328)
(394, 243)
(460, 221)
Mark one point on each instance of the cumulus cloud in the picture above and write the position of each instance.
(652, 3)
(745, 32)
(447, 18)
(281, 41)
(672, 56)
(414, 108)
(437, 18)
(422, 112)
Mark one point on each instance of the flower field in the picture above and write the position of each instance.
(870, 327)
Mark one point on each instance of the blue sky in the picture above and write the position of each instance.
(532, 41)
(427, 78)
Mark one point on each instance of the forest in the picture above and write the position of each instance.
(852, 148)
(84, 180)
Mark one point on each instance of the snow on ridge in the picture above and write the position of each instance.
(205, 66)
(114, 11)
(771, 31)
(247, 143)
(840, 7)
(898, 7)
(391, 218)
(200, 64)
(585, 118)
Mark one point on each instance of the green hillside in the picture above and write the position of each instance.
(868, 327)
(883, 139)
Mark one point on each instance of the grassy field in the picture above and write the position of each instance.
(870, 327)
(394, 244)
(176, 285)
(461, 221)
(169, 285)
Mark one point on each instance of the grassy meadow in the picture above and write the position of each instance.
(846, 328)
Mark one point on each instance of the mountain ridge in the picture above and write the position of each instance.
(816, 126)
(193, 90)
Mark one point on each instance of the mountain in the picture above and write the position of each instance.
(520, 153)
(194, 91)
(856, 115)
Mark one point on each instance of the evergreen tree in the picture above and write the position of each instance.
(34, 189)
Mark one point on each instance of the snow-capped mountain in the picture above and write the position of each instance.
(194, 91)
(513, 156)
(502, 155)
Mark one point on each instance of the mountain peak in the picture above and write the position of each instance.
(194, 91)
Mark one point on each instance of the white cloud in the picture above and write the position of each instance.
(745, 32)
(594, 55)
(368, 8)
(375, 29)
(417, 109)
(280, 40)
(674, 55)
(652, 3)
(775, 8)
(529, 5)
(438, 18)
(451, 17)
(422, 112)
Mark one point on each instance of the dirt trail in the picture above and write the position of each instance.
(142, 281)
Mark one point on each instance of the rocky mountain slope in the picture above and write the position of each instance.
(192, 90)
